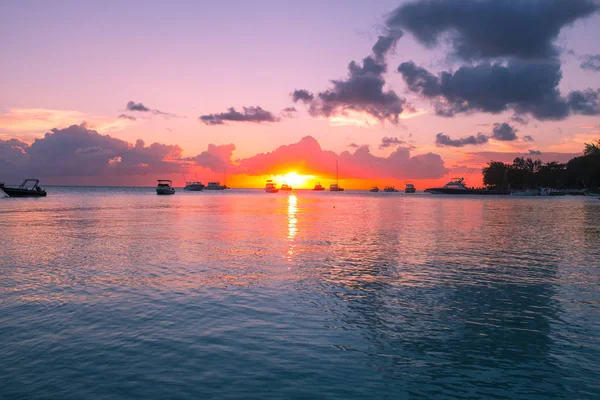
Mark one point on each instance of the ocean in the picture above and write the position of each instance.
(116, 293)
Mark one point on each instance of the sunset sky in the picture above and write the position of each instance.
(266, 88)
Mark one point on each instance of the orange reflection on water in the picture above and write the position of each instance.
(292, 224)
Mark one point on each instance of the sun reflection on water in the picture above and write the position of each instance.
(292, 224)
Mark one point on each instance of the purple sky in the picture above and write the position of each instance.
(71, 61)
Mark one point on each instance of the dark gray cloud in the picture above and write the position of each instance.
(302, 95)
(354, 145)
(535, 152)
(524, 87)
(129, 117)
(133, 106)
(254, 114)
(528, 138)
(289, 109)
(520, 119)
(362, 90)
(586, 102)
(385, 44)
(389, 142)
(504, 132)
(443, 140)
(591, 62)
(140, 107)
(476, 29)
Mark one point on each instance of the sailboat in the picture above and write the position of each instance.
(335, 187)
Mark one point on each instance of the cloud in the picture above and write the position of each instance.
(129, 117)
(80, 152)
(140, 107)
(307, 157)
(353, 146)
(526, 88)
(535, 152)
(585, 102)
(591, 62)
(362, 91)
(528, 138)
(217, 158)
(386, 43)
(253, 114)
(389, 142)
(442, 140)
(289, 112)
(504, 132)
(477, 29)
(520, 119)
(302, 95)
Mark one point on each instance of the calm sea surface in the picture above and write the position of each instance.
(119, 293)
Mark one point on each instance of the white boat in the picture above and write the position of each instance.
(271, 187)
(194, 186)
(455, 186)
(409, 188)
(215, 186)
(164, 187)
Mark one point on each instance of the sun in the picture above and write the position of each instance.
(295, 180)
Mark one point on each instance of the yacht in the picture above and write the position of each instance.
(215, 186)
(409, 188)
(24, 190)
(455, 186)
(271, 187)
(318, 187)
(194, 186)
(390, 189)
(164, 187)
(374, 189)
(285, 188)
(335, 187)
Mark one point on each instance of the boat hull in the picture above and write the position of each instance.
(446, 191)
(165, 192)
(410, 190)
(15, 192)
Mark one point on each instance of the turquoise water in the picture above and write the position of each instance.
(119, 293)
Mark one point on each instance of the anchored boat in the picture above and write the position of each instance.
(24, 190)
(164, 187)
(271, 187)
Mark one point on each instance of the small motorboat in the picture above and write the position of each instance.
(194, 186)
(318, 187)
(409, 188)
(285, 188)
(164, 187)
(24, 190)
(390, 189)
(271, 187)
(374, 189)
